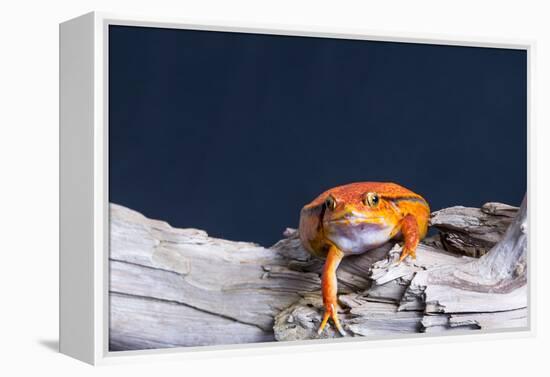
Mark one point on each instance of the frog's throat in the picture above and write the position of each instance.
(356, 236)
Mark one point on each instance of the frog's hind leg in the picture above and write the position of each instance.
(411, 235)
(329, 286)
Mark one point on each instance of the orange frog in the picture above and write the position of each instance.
(355, 218)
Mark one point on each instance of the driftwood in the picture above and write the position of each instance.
(179, 287)
(472, 231)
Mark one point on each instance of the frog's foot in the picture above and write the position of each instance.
(406, 252)
(409, 228)
(329, 287)
(331, 311)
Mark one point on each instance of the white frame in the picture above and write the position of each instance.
(84, 249)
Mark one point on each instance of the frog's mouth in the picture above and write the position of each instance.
(356, 218)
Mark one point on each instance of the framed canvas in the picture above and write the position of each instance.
(231, 188)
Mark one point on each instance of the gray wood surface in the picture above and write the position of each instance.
(472, 231)
(179, 287)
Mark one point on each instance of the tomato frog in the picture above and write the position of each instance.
(355, 218)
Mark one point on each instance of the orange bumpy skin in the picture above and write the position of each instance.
(355, 218)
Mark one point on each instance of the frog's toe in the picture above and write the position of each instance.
(405, 253)
(331, 312)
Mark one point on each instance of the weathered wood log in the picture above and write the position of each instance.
(179, 287)
(472, 231)
(495, 282)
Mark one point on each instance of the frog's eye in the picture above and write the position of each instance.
(371, 199)
(330, 202)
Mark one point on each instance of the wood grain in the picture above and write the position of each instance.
(174, 287)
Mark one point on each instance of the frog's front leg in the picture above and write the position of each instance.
(329, 285)
(411, 235)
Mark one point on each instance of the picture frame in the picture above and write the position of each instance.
(84, 187)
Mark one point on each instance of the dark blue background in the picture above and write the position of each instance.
(234, 133)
